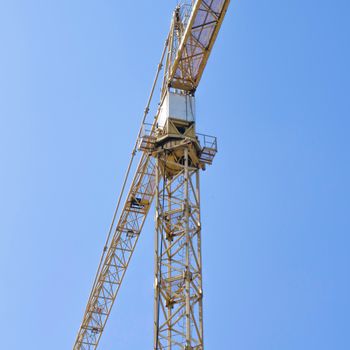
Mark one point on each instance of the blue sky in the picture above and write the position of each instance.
(74, 79)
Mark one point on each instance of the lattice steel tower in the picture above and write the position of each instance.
(178, 261)
(172, 155)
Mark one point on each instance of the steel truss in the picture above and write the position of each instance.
(178, 256)
(197, 40)
(178, 262)
(118, 255)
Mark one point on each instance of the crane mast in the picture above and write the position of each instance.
(172, 155)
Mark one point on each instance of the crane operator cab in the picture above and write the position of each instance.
(175, 128)
(177, 116)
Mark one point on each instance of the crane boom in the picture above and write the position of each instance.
(118, 250)
(118, 255)
(188, 47)
(197, 42)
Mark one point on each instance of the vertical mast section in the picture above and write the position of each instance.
(180, 154)
(178, 267)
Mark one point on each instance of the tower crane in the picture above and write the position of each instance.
(171, 156)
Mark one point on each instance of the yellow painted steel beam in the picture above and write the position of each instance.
(118, 256)
(197, 43)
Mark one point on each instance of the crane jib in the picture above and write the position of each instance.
(118, 256)
(196, 44)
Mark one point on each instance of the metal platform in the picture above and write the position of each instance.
(147, 139)
(209, 148)
(208, 144)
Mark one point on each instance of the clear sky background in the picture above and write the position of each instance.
(74, 79)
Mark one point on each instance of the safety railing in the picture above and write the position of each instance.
(209, 148)
(147, 138)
